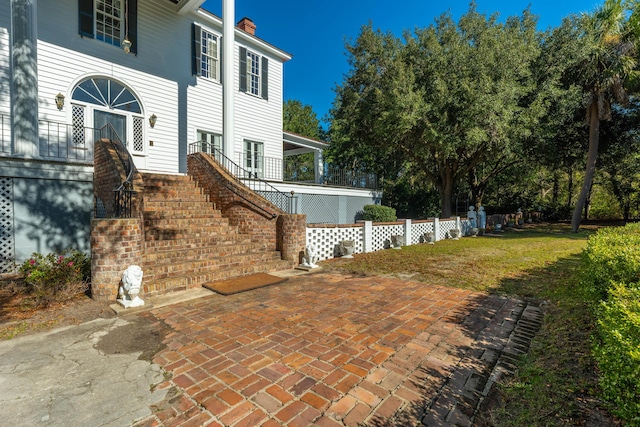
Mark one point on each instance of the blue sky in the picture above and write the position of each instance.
(315, 31)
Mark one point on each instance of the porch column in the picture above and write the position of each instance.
(24, 77)
(228, 91)
(318, 166)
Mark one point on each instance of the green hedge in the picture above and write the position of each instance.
(610, 277)
(378, 213)
(612, 254)
(617, 350)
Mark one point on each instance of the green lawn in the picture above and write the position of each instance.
(556, 382)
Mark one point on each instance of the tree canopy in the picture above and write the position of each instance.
(440, 102)
(487, 107)
(606, 71)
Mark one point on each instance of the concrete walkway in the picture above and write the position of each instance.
(320, 349)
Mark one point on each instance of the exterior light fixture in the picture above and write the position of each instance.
(126, 45)
(152, 120)
(59, 101)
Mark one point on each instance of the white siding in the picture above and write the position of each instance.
(5, 62)
(160, 75)
(205, 101)
(265, 127)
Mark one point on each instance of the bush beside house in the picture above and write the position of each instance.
(377, 213)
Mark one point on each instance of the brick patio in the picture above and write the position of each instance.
(327, 350)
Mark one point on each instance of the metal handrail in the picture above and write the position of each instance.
(245, 178)
(124, 192)
(57, 141)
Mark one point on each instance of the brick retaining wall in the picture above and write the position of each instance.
(291, 231)
(116, 243)
(251, 213)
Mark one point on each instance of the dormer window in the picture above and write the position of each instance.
(110, 21)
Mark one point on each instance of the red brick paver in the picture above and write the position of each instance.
(320, 350)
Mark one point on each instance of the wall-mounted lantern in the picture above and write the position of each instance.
(126, 45)
(152, 120)
(60, 101)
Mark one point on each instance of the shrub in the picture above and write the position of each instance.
(611, 254)
(56, 277)
(610, 276)
(617, 350)
(378, 213)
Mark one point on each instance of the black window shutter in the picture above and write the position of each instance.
(85, 18)
(196, 52)
(243, 69)
(265, 78)
(132, 24)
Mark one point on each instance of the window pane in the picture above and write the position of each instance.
(209, 64)
(109, 21)
(253, 73)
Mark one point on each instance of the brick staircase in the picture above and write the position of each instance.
(187, 241)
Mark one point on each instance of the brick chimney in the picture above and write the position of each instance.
(247, 26)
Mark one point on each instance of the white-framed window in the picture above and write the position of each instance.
(210, 142)
(253, 73)
(109, 21)
(254, 158)
(210, 63)
(98, 102)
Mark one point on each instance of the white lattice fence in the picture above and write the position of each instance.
(381, 238)
(7, 243)
(444, 227)
(374, 237)
(418, 229)
(327, 239)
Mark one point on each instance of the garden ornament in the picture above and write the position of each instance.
(130, 288)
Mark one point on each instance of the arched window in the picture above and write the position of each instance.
(100, 101)
(107, 93)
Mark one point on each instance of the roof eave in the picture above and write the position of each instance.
(242, 35)
(186, 6)
(303, 141)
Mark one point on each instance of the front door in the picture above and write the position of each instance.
(118, 121)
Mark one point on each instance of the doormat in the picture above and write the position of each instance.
(243, 283)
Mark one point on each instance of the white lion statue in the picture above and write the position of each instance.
(130, 288)
(310, 257)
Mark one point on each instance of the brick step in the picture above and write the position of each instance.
(195, 243)
(164, 205)
(212, 235)
(186, 214)
(175, 195)
(169, 227)
(189, 281)
(202, 253)
(164, 271)
(164, 179)
(186, 223)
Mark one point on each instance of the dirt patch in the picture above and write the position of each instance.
(19, 315)
(142, 334)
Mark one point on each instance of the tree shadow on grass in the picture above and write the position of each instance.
(553, 287)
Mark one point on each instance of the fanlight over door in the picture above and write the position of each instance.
(99, 100)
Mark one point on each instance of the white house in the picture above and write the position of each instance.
(156, 71)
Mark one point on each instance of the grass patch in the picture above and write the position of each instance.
(555, 384)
